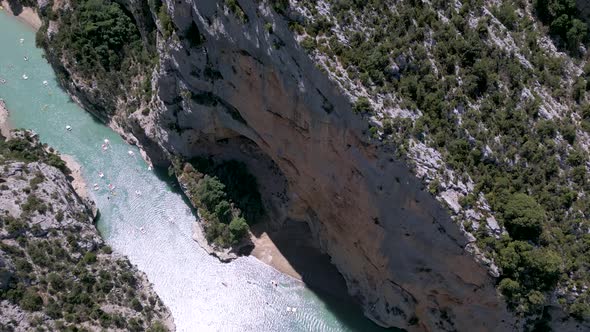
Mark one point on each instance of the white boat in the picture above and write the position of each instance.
(106, 141)
(22, 40)
(138, 193)
(25, 77)
(100, 175)
(149, 167)
(25, 58)
(130, 153)
(69, 128)
(45, 83)
(104, 147)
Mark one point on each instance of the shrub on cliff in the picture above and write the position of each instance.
(31, 301)
(523, 217)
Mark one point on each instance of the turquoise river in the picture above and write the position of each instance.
(153, 229)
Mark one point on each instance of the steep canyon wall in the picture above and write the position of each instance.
(244, 89)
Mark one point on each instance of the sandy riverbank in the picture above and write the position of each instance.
(266, 251)
(78, 181)
(4, 124)
(25, 14)
(292, 250)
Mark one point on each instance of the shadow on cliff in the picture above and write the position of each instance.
(296, 243)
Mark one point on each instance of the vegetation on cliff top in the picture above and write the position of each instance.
(102, 44)
(481, 86)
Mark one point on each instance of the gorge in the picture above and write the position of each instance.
(189, 282)
(437, 153)
(243, 92)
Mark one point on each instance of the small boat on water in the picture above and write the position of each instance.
(2, 81)
(138, 193)
(101, 175)
(104, 147)
(25, 58)
(69, 128)
(22, 40)
(149, 167)
(130, 153)
(106, 141)
(25, 77)
(45, 83)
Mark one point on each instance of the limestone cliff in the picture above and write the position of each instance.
(56, 273)
(234, 83)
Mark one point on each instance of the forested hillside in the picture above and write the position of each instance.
(488, 100)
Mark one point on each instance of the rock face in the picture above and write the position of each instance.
(243, 89)
(55, 271)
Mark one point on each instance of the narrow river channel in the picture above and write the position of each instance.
(147, 219)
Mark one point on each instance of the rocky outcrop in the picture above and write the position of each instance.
(56, 273)
(240, 87)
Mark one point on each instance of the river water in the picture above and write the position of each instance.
(148, 220)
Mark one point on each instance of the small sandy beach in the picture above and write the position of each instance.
(266, 251)
(27, 15)
(293, 251)
(78, 181)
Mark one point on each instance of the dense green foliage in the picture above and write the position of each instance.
(227, 197)
(562, 18)
(99, 33)
(481, 105)
(102, 44)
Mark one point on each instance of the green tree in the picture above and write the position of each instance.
(543, 268)
(523, 217)
(210, 192)
(223, 211)
(238, 229)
